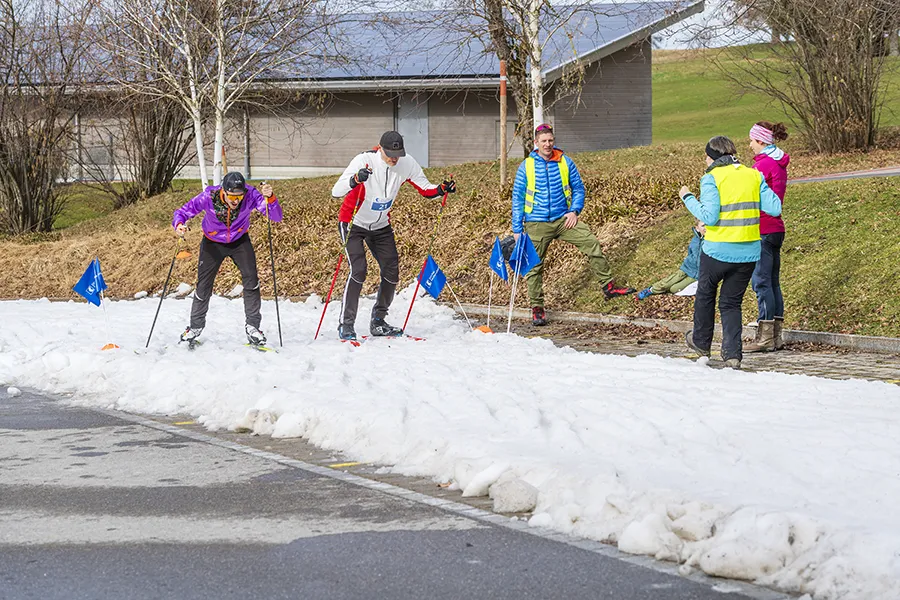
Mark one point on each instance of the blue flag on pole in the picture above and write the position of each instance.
(498, 264)
(433, 279)
(91, 283)
(525, 255)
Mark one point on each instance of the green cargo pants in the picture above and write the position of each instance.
(672, 284)
(580, 236)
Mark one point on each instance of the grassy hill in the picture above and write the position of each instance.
(840, 266)
(839, 260)
(692, 101)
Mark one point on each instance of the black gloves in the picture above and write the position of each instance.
(507, 245)
(360, 176)
(448, 187)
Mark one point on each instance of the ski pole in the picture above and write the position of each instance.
(430, 244)
(272, 260)
(165, 287)
(490, 294)
(512, 296)
(338, 268)
(331, 289)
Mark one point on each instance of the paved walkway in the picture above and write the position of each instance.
(883, 172)
(632, 340)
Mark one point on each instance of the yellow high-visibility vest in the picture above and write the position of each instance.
(530, 188)
(739, 211)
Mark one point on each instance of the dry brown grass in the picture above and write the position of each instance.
(631, 197)
(136, 245)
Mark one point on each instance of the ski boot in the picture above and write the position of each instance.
(190, 336)
(538, 316)
(644, 293)
(346, 333)
(255, 336)
(378, 327)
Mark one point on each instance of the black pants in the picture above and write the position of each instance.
(734, 278)
(384, 248)
(211, 256)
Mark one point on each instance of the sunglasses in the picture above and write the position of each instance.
(234, 197)
(542, 128)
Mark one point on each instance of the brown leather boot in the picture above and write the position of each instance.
(779, 336)
(765, 338)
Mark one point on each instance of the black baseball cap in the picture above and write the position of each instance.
(392, 144)
(233, 183)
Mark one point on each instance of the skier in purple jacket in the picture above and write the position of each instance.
(226, 226)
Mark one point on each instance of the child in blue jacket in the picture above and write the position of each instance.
(686, 274)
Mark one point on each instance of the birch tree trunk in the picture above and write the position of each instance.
(194, 105)
(198, 139)
(220, 107)
(535, 50)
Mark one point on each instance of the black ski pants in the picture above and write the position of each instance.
(384, 248)
(734, 278)
(212, 254)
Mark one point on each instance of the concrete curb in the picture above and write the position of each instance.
(859, 343)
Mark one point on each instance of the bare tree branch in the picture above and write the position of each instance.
(226, 50)
(825, 66)
(41, 47)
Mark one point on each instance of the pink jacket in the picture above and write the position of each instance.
(772, 162)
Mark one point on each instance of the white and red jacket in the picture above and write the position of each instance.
(374, 198)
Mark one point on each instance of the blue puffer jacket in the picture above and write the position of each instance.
(549, 200)
(691, 264)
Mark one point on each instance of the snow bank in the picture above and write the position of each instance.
(786, 480)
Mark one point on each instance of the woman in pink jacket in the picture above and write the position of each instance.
(772, 162)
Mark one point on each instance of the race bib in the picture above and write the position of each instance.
(380, 205)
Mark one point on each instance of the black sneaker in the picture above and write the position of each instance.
(378, 327)
(689, 340)
(538, 317)
(611, 290)
(346, 332)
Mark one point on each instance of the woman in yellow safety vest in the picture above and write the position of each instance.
(731, 196)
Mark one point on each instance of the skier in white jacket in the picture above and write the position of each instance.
(369, 186)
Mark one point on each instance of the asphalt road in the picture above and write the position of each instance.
(93, 506)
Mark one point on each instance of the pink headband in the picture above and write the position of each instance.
(758, 132)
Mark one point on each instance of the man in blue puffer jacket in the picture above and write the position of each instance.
(547, 198)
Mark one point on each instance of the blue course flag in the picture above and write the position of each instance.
(525, 255)
(433, 279)
(91, 283)
(498, 265)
